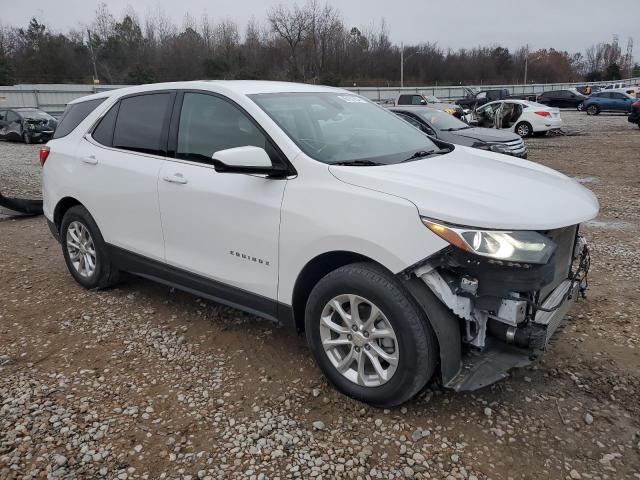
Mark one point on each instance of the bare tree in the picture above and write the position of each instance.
(291, 24)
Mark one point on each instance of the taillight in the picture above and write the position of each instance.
(44, 153)
(543, 114)
(636, 104)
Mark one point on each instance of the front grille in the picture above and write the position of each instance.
(562, 258)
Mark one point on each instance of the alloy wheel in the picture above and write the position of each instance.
(82, 251)
(359, 340)
(523, 130)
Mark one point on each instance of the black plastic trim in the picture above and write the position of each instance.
(445, 325)
(53, 229)
(201, 286)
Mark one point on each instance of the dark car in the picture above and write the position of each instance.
(563, 99)
(447, 128)
(26, 124)
(634, 116)
(473, 99)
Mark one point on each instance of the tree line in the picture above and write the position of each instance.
(309, 43)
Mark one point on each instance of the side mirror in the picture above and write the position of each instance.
(245, 160)
(423, 101)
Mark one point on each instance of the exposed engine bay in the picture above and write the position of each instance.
(507, 308)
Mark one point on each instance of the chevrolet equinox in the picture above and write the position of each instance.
(399, 256)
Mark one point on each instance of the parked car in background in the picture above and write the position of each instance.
(311, 205)
(520, 116)
(443, 126)
(568, 98)
(476, 99)
(608, 101)
(431, 101)
(634, 116)
(26, 124)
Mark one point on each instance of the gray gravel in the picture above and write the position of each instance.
(144, 382)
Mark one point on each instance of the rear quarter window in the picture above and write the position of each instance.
(74, 114)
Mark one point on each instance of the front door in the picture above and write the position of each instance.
(222, 227)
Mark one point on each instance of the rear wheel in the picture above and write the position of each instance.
(524, 129)
(85, 251)
(368, 336)
(593, 110)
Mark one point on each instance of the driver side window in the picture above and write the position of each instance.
(209, 124)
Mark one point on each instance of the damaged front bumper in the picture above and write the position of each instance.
(500, 329)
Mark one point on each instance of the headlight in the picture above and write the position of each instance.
(519, 246)
(496, 147)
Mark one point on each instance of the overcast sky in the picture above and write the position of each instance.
(563, 24)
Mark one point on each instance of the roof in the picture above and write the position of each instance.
(242, 87)
(414, 108)
(516, 100)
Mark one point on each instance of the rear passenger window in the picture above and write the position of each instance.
(142, 122)
(209, 124)
(73, 115)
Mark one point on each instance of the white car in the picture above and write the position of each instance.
(397, 256)
(520, 116)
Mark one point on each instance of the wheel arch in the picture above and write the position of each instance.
(63, 205)
(312, 272)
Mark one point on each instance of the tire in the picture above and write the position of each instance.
(26, 138)
(580, 106)
(413, 348)
(524, 129)
(79, 228)
(593, 110)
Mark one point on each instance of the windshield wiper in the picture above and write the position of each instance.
(453, 129)
(357, 163)
(426, 153)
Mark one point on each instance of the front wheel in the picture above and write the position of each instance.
(593, 110)
(580, 106)
(524, 129)
(368, 336)
(85, 251)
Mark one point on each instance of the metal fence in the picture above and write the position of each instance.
(54, 98)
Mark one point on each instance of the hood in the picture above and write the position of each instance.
(481, 189)
(486, 134)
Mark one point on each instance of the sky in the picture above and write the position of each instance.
(562, 24)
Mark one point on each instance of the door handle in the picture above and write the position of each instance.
(91, 159)
(175, 178)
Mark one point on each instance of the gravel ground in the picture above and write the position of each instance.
(145, 382)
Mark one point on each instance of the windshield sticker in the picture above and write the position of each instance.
(352, 99)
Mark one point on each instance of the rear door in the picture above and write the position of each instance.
(222, 227)
(607, 102)
(118, 172)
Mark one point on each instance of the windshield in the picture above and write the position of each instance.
(441, 120)
(341, 127)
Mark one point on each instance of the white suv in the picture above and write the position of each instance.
(397, 256)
